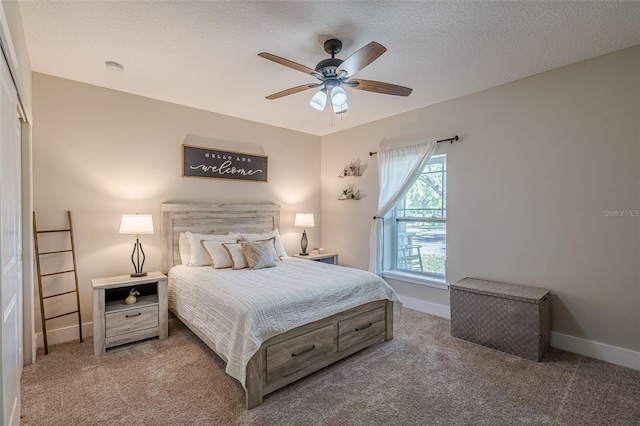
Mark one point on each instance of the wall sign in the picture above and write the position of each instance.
(217, 164)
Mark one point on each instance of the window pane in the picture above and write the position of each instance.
(426, 197)
(421, 230)
(422, 247)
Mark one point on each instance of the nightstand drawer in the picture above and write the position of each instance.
(128, 320)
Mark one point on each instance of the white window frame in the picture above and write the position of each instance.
(415, 277)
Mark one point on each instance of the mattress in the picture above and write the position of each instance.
(238, 310)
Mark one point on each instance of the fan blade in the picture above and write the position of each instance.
(361, 58)
(288, 63)
(380, 87)
(292, 91)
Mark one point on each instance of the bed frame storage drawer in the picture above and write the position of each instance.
(125, 321)
(301, 353)
(273, 366)
(363, 329)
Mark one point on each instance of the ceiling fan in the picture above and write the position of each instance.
(334, 73)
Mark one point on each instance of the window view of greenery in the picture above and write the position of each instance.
(420, 222)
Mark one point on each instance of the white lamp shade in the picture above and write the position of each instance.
(338, 96)
(339, 109)
(319, 100)
(304, 220)
(136, 224)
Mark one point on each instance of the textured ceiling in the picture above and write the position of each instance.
(203, 54)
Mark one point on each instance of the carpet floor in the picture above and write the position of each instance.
(422, 377)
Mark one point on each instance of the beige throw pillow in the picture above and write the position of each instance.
(258, 237)
(199, 256)
(259, 254)
(271, 246)
(235, 253)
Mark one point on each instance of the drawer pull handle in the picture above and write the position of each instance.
(135, 315)
(303, 351)
(364, 327)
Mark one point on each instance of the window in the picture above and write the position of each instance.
(420, 223)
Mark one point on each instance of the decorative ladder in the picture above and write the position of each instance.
(41, 275)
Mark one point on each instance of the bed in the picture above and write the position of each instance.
(271, 326)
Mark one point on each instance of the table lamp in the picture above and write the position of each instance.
(137, 224)
(304, 220)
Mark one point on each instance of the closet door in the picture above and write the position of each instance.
(10, 249)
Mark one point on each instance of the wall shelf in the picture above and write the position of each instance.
(349, 195)
(351, 170)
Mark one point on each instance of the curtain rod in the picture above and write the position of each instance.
(455, 138)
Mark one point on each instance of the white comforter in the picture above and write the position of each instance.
(239, 310)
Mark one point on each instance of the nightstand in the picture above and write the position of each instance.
(330, 258)
(116, 323)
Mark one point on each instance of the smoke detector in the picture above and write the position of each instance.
(114, 66)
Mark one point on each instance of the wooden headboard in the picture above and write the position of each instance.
(212, 218)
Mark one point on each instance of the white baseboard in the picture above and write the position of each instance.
(597, 350)
(427, 307)
(65, 334)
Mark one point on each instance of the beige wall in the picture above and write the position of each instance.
(540, 162)
(101, 153)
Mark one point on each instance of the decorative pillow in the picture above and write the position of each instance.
(218, 254)
(235, 253)
(271, 246)
(278, 242)
(199, 257)
(183, 247)
(259, 254)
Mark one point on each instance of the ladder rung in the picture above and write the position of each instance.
(57, 273)
(52, 230)
(61, 315)
(59, 294)
(53, 252)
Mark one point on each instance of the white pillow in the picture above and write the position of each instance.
(238, 260)
(278, 242)
(218, 254)
(199, 257)
(183, 247)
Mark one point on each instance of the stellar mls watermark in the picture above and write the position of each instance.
(622, 213)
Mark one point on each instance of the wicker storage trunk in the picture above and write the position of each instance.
(510, 318)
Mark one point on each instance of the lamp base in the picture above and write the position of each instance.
(135, 259)
(303, 243)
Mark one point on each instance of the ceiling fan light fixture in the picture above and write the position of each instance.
(333, 73)
(338, 96)
(319, 100)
